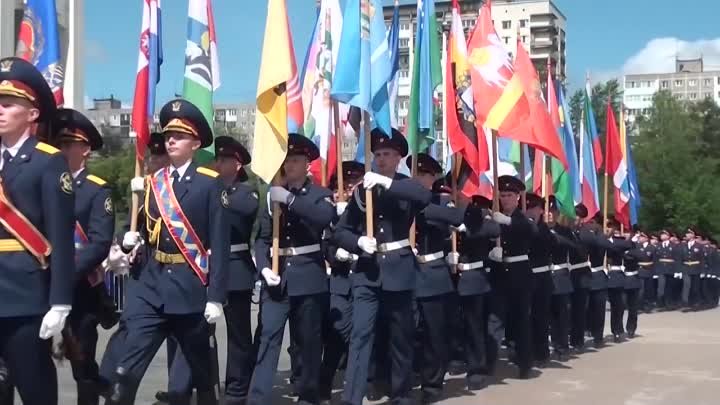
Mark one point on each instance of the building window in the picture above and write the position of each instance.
(692, 82)
(468, 23)
(693, 96)
(678, 83)
(404, 42)
(507, 24)
(523, 23)
(707, 95)
(507, 40)
(403, 73)
(524, 39)
(630, 84)
(680, 96)
(647, 84)
(707, 82)
(404, 26)
(664, 84)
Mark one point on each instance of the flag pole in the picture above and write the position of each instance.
(369, 223)
(135, 202)
(544, 186)
(275, 252)
(496, 193)
(323, 172)
(523, 176)
(339, 135)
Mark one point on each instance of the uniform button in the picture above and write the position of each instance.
(288, 224)
(288, 264)
(167, 239)
(383, 256)
(287, 237)
(381, 230)
(169, 271)
(380, 216)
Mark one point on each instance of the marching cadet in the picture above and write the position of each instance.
(156, 160)
(666, 258)
(339, 320)
(433, 283)
(384, 284)
(640, 253)
(230, 159)
(616, 277)
(37, 256)
(298, 292)
(542, 280)
(473, 288)
(581, 277)
(714, 264)
(646, 274)
(563, 244)
(705, 279)
(517, 234)
(591, 236)
(181, 287)
(692, 258)
(94, 230)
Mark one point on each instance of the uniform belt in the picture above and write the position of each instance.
(78, 246)
(702, 275)
(430, 257)
(240, 247)
(667, 260)
(390, 246)
(646, 263)
(631, 273)
(470, 266)
(596, 269)
(169, 258)
(558, 267)
(515, 259)
(541, 269)
(578, 266)
(299, 250)
(694, 263)
(10, 245)
(616, 268)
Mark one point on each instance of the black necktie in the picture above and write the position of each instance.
(7, 158)
(176, 180)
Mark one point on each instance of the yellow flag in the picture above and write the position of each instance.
(271, 131)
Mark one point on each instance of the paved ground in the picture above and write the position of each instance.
(675, 360)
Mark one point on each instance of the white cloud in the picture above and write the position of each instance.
(658, 56)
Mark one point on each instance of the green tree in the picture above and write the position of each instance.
(117, 169)
(601, 92)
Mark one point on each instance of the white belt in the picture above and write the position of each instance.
(578, 266)
(542, 269)
(702, 275)
(240, 247)
(430, 257)
(596, 269)
(300, 250)
(655, 276)
(470, 266)
(390, 246)
(558, 267)
(616, 268)
(515, 259)
(631, 273)
(78, 246)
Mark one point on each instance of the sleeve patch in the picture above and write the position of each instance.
(66, 183)
(108, 206)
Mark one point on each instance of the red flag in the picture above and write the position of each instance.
(539, 130)
(497, 89)
(616, 167)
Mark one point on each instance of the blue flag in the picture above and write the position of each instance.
(363, 65)
(568, 141)
(634, 188)
(394, 44)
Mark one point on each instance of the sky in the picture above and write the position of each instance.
(605, 38)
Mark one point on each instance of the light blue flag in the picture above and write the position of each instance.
(634, 188)
(568, 141)
(394, 44)
(363, 65)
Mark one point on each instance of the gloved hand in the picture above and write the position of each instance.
(452, 258)
(368, 245)
(371, 180)
(501, 218)
(340, 207)
(54, 321)
(137, 184)
(343, 255)
(117, 261)
(213, 312)
(131, 239)
(270, 277)
(460, 229)
(280, 195)
(496, 254)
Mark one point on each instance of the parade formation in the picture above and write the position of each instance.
(388, 280)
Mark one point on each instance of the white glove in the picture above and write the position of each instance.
(270, 277)
(54, 321)
(496, 254)
(501, 218)
(117, 261)
(452, 258)
(137, 184)
(343, 255)
(373, 179)
(368, 245)
(635, 238)
(460, 229)
(131, 239)
(340, 207)
(280, 195)
(213, 312)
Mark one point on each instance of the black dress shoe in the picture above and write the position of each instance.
(476, 382)
(631, 335)
(162, 396)
(456, 367)
(431, 397)
(617, 338)
(598, 343)
(524, 374)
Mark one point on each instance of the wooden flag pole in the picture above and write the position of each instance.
(545, 187)
(275, 253)
(523, 194)
(323, 172)
(413, 173)
(605, 202)
(369, 217)
(454, 187)
(135, 202)
(496, 193)
(339, 135)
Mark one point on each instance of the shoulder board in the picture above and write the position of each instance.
(207, 172)
(97, 180)
(49, 149)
